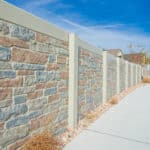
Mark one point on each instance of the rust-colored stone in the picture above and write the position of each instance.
(35, 95)
(42, 38)
(63, 89)
(61, 60)
(1, 125)
(11, 82)
(53, 97)
(4, 41)
(26, 56)
(51, 84)
(82, 82)
(52, 67)
(65, 75)
(35, 124)
(25, 72)
(5, 94)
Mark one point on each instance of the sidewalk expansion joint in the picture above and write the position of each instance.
(116, 136)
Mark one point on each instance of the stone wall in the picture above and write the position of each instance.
(49, 78)
(90, 81)
(122, 74)
(146, 70)
(111, 76)
(129, 75)
(33, 83)
(134, 74)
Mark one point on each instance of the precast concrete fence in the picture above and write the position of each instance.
(46, 72)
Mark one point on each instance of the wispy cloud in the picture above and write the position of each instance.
(106, 36)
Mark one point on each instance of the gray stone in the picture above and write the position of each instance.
(4, 28)
(5, 103)
(60, 131)
(62, 51)
(16, 122)
(44, 76)
(21, 33)
(34, 114)
(37, 104)
(5, 65)
(29, 80)
(61, 117)
(64, 94)
(50, 91)
(52, 58)
(22, 66)
(40, 47)
(20, 99)
(4, 53)
(23, 90)
(5, 114)
(7, 74)
(13, 134)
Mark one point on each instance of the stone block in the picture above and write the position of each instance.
(5, 103)
(12, 111)
(17, 121)
(25, 56)
(23, 90)
(50, 91)
(22, 66)
(9, 42)
(29, 80)
(4, 28)
(5, 93)
(13, 134)
(11, 82)
(4, 53)
(52, 58)
(37, 104)
(7, 74)
(20, 99)
(21, 33)
(5, 65)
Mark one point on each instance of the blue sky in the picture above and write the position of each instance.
(104, 23)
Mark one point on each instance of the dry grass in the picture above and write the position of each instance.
(43, 141)
(146, 79)
(114, 100)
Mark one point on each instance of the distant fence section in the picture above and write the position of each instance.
(51, 78)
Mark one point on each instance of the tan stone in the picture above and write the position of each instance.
(52, 67)
(25, 72)
(65, 75)
(53, 97)
(5, 94)
(11, 82)
(21, 55)
(61, 60)
(35, 94)
(4, 41)
(42, 38)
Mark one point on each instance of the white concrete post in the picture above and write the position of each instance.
(132, 74)
(104, 76)
(136, 73)
(126, 75)
(118, 75)
(73, 81)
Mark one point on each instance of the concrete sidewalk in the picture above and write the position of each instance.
(125, 126)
